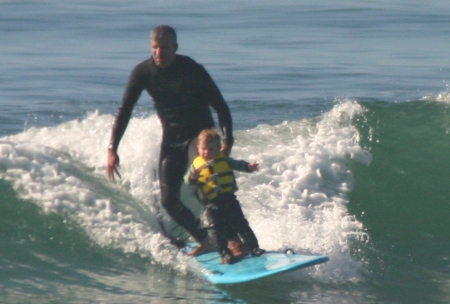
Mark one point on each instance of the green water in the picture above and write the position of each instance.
(403, 198)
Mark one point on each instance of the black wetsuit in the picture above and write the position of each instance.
(182, 94)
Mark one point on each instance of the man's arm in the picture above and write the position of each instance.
(130, 97)
(216, 101)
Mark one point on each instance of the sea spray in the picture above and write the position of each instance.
(297, 199)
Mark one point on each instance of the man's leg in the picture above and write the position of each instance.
(171, 170)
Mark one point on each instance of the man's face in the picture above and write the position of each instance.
(163, 52)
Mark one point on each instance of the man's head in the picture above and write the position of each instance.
(208, 143)
(163, 40)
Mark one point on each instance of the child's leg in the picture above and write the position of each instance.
(235, 217)
(234, 242)
(216, 226)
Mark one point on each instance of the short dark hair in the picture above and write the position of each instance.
(164, 32)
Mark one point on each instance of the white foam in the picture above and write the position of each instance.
(443, 97)
(298, 198)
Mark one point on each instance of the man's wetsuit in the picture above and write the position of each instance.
(182, 94)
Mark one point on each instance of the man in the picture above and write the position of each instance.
(182, 92)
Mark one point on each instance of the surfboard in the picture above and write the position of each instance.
(252, 268)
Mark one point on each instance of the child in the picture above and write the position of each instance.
(212, 173)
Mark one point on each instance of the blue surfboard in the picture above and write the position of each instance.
(252, 268)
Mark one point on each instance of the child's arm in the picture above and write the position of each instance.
(242, 165)
(191, 176)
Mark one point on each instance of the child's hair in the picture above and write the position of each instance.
(209, 135)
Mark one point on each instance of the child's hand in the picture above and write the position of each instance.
(194, 175)
(253, 167)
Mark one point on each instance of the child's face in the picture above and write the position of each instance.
(208, 150)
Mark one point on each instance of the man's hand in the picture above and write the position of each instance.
(113, 165)
(227, 145)
(226, 148)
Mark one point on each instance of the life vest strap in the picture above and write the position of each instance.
(217, 175)
(219, 188)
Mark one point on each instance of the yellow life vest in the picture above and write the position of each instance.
(216, 176)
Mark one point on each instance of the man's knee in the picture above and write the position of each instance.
(171, 204)
(170, 196)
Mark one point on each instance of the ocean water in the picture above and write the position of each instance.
(345, 105)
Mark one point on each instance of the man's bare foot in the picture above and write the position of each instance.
(206, 246)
